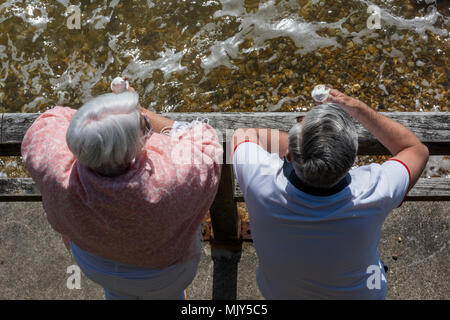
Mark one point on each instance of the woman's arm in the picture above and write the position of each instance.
(157, 121)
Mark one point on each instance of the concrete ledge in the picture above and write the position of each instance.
(33, 259)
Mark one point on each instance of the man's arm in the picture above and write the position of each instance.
(271, 140)
(399, 140)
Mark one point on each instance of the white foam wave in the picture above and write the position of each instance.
(418, 24)
(169, 62)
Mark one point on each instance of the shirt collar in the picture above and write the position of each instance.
(289, 173)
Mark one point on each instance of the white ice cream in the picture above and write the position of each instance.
(320, 93)
(119, 85)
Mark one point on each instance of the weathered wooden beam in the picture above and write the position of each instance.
(433, 189)
(19, 189)
(432, 128)
(13, 127)
(24, 189)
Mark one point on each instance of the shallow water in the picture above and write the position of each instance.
(227, 55)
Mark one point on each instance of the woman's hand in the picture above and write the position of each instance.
(157, 121)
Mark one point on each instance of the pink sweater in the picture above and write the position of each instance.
(150, 215)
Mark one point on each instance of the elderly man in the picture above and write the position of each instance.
(316, 222)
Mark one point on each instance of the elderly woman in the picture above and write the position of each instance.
(127, 198)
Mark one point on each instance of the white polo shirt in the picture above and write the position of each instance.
(317, 246)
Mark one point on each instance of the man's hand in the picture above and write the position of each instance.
(349, 104)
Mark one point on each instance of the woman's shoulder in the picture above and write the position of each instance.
(44, 145)
(59, 111)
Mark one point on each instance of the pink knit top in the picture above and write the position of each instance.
(149, 216)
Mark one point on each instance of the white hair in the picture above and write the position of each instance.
(323, 146)
(105, 133)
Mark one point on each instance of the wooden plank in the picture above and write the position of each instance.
(433, 189)
(436, 189)
(1, 128)
(13, 128)
(432, 128)
(22, 189)
(19, 189)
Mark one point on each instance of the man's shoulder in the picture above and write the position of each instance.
(379, 182)
(255, 168)
(374, 171)
(366, 176)
(251, 153)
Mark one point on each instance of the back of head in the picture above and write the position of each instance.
(323, 146)
(105, 132)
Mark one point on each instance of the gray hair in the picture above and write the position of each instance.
(105, 133)
(323, 146)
